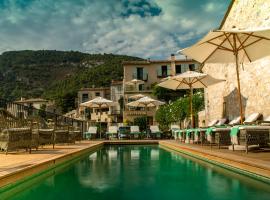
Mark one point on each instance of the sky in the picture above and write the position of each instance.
(144, 28)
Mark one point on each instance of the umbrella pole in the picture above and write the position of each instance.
(191, 109)
(238, 80)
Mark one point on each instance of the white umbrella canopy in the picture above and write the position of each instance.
(134, 82)
(189, 79)
(227, 46)
(98, 102)
(137, 96)
(219, 46)
(145, 102)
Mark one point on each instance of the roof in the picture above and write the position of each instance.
(33, 100)
(149, 62)
(95, 89)
(226, 14)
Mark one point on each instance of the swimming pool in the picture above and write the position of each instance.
(143, 172)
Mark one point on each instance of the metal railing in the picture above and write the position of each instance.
(21, 113)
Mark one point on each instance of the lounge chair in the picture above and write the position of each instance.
(91, 133)
(222, 134)
(135, 132)
(198, 135)
(250, 133)
(175, 131)
(61, 134)
(124, 132)
(155, 132)
(112, 132)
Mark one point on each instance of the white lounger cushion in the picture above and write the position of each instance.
(112, 129)
(235, 121)
(92, 129)
(154, 129)
(212, 123)
(134, 129)
(252, 118)
(221, 121)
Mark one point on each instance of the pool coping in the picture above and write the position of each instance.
(14, 178)
(244, 168)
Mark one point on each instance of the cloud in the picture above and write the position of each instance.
(145, 28)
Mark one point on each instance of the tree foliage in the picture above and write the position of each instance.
(179, 110)
(56, 75)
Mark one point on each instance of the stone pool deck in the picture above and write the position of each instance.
(18, 165)
(256, 164)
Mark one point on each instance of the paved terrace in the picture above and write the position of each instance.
(17, 165)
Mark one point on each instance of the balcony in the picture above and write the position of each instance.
(139, 113)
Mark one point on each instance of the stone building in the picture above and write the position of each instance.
(150, 72)
(221, 100)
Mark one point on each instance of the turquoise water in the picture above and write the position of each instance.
(143, 172)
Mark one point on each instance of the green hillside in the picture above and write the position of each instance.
(56, 75)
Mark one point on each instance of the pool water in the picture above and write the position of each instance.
(143, 172)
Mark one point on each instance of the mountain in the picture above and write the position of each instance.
(56, 75)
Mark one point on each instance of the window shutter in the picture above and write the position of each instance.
(134, 75)
(145, 74)
(159, 71)
(168, 70)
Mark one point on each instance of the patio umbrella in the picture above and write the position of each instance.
(145, 102)
(134, 82)
(137, 96)
(225, 46)
(189, 80)
(98, 102)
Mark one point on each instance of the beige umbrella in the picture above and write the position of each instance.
(98, 102)
(223, 46)
(134, 82)
(189, 80)
(137, 96)
(145, 102)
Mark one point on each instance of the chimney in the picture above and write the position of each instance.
(173, 65)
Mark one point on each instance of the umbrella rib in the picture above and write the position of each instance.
(200, 80)
(227, 36)
(260, 37)
(250, 44)
(220, 47)
(213, 52)
(241, 44)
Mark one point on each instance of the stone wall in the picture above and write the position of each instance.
(221, 99)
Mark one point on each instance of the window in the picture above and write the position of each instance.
(141, 87)
(85, 97)
(97, 94)
(164, 70)
(178, 69)
(191, 67)
(139, 73)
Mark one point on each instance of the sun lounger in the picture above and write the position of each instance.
(135, 132)
(112, 132)
(245, 135)
(124, 132)
(155, 132)
(91, 133)
(175, 131)
(61, 134)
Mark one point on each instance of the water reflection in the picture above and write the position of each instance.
(144, 172)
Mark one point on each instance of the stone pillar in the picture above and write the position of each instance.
(173, 72)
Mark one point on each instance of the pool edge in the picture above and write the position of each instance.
(227, 163)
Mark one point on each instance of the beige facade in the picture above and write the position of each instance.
(221, 100)
(87, 94)
(150, 72)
